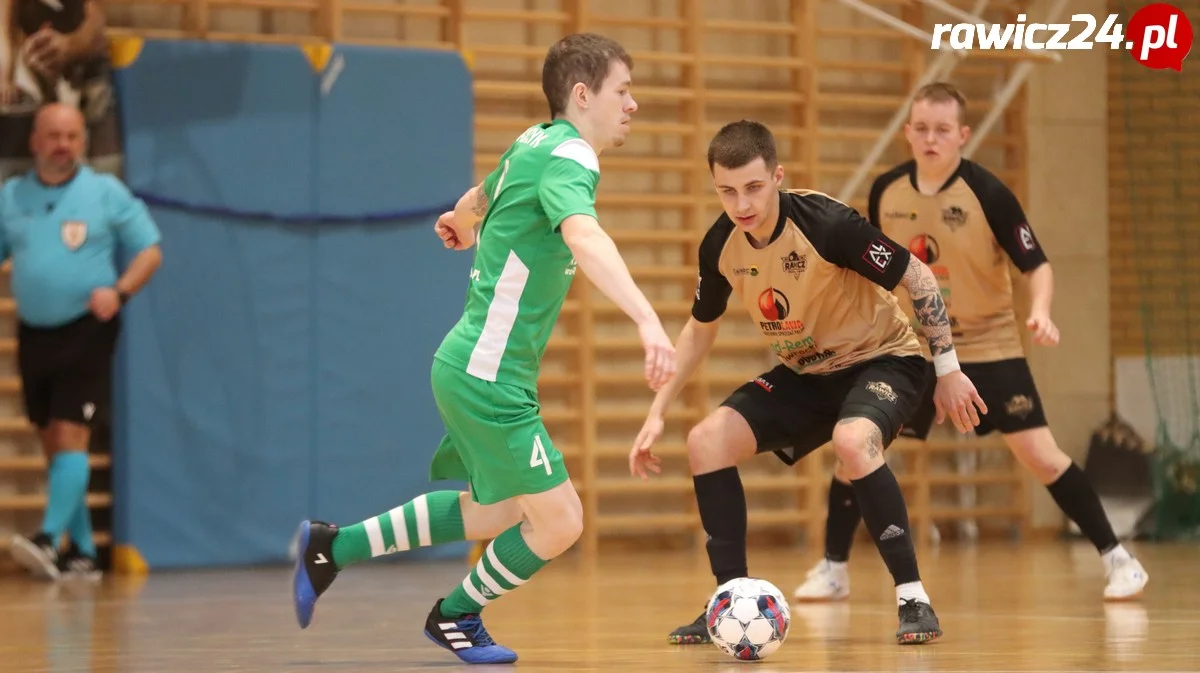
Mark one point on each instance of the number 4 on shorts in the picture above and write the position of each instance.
(539, 454)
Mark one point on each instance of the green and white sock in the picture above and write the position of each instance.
(429, 519)
(505, 565)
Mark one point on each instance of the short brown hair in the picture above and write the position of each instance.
(942, 92)
(738, 143)
(580, 57)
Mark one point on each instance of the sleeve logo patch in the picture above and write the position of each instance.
(879, 255)
(1025, 237)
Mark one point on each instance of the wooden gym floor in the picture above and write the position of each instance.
(1003, 606)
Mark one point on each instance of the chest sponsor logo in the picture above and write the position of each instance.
(74, 234)
(812, 358)
(879, 255)
(954, 217)
(926, 248)
(794, 263)
(775, 307)
(751, 270)
(901, 215)
(802, 353)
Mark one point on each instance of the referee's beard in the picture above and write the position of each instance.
(54, 171)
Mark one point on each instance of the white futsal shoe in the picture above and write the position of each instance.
(827, 581)
(1126, 576)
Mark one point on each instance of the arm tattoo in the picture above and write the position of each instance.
(481, 202)
(928, 306)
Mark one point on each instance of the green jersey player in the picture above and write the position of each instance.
(531, 221)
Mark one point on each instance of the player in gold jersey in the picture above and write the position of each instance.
(963, 222)
(816, 278)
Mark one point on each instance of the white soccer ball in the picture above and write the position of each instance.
(748, 618)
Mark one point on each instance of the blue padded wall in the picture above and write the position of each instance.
(277, 367)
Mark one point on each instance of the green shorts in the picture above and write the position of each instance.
(495, 439)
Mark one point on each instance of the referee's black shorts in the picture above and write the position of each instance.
(66, 371)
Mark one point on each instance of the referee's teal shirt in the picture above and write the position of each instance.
(64, 240)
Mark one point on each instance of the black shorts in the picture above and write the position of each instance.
(1006, 387)
(66, 371)
(794, 414)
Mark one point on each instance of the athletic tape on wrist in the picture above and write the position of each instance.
(944, 363)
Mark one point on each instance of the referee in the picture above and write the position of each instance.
(62, 224)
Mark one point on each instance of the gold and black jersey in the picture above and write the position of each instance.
(966, 233)
(820, 290)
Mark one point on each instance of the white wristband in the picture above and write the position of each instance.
(944, 363)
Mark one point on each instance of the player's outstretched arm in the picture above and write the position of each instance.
(955, 395)
(693, 344)
(1041, 294)
(457, 228)
(599, 258)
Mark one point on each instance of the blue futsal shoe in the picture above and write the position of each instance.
(315, 569)
(466, 638)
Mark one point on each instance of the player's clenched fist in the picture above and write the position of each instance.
(451, 237)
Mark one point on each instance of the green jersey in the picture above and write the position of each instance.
(522, 267)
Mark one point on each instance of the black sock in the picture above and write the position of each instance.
(1078, 500)
(842, 521)
(886, 516)
(722, 503)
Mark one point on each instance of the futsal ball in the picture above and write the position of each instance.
(748, 618)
